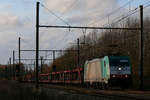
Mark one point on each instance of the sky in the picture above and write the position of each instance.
(17, 19)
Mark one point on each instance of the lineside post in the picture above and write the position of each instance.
(19, 56)
(37, 44)
(13, 64)
(78, 44)
(10, 69)
(41, 64)
(54, 65)
(141, 47)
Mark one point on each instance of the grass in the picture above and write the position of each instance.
(11, 90)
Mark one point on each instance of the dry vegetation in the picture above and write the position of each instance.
(12, 90)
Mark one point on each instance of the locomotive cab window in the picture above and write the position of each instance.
(119, 61)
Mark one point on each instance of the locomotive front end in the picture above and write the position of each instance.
(120, 71)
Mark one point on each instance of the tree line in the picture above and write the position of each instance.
(100, 43)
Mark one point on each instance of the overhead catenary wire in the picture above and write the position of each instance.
(73, 27)
(146, 6)
(124, 17)
(72, 5)
(69, 8)
(66, 34)
(146, 2)
(55, 15)
(113, 12)
(58, 18)
(76, 0)
(131, 12)
(120, 17)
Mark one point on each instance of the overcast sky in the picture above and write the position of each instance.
(17, 19)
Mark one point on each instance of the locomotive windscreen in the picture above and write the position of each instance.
(119, 61)
(119, 65)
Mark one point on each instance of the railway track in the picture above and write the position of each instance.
(108, 94)
(113, 94)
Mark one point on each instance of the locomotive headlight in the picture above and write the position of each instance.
(119, 68)
(113, 76)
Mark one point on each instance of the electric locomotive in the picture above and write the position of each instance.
(108, 71)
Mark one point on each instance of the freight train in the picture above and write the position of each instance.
(99, 73)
